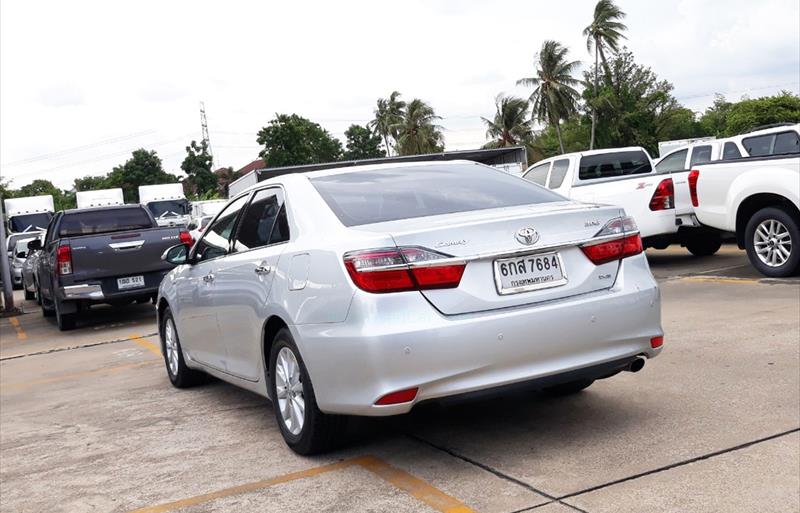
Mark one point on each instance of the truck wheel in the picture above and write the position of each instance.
(305, 429)
(65, 321)
(772, 239)
(705, 245)
(47, 309)
(179, 374)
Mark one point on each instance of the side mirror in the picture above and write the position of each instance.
(35, 244)
(22, 254)
(176, 255)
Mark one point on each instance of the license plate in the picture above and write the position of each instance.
(529, 272)
(130, 282)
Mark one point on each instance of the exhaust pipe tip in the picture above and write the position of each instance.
(636, 365)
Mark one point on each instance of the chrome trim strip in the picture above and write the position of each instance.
(83, 292)
(119, 246)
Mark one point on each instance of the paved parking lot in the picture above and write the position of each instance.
(89, 422)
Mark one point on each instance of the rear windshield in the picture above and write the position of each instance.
(380, 195)
(105, 220)
(168, 208)
(610, 165)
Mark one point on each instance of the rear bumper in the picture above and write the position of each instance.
(398, 341)
(106, 289)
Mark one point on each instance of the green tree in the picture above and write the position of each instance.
(200, 180)
(714, 120)
(362, 143)
(604, 33)
(388, 113)
(417, 131)
(291, 140)
(225, 176)
(62, 200)
(545, 143)
(749, 114)
(554, 96)
(143, 168)
(511, 125)
(90, 183)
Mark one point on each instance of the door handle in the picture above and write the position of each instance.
(263, 269)
(208, 278)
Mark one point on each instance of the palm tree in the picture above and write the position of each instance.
(554, 97)
(510, 125)
(417, 131)
(388, 112)
(603, 34)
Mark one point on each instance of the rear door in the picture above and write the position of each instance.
(244, 279)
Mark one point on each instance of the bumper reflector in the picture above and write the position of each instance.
(656, 342)
(402, 396)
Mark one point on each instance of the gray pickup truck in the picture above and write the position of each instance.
(101, 255)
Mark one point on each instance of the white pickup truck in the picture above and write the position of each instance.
(758, 198)
(626, 177)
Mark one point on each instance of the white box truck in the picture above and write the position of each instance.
(167, 203)
(30, 213)
(99, 198)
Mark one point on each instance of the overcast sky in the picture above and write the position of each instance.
(82, 84)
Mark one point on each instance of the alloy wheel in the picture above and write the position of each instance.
(171, 346)
(289, 391)
(772, 242)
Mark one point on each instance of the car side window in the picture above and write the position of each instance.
(259, 220)
(731, 151)
(786, 142)
(758, 146)
(538, 174)
(673, 162)
(558, 173)
(216, 238)
(700, 155)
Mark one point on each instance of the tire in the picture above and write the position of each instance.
(569, 388)
(179, 374)
(316, 431)
(47, 310)
(29, 296)
(705, 245)
(65, 321)
(776, 232)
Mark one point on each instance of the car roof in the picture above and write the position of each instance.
(103, 207)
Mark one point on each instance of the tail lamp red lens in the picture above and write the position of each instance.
(694, 175)
(656, 342)
(403, 269)
(64, 260)
(186, 238)
(664, 196)
(626, 243)
(399, 397)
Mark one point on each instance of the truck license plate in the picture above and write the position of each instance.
(130, 282)
(529, 272)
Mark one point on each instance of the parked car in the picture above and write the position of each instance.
(367, 290)
(758, 198)
(627, 178)
(101, 255)
(30, 281)
(17, 257)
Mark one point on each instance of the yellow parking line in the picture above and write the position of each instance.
(147, 345)
(18, 328)
(711, 279)
(402, 480)
(77, 375)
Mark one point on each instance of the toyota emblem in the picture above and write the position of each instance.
(527, 236)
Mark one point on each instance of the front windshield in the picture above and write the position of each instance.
(28, 222)
(168, 208)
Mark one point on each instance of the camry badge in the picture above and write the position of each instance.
(527, 236)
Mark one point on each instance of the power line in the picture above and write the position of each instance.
(75, 149)
(737, 92)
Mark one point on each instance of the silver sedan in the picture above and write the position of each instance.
(367, 290)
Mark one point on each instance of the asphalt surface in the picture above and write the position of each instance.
(89, 422)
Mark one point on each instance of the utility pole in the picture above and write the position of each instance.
(5, 271)
(204, 130)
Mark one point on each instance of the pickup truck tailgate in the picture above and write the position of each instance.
(121, 254)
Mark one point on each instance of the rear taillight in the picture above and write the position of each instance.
(399, 397)
(625, 242)
(693, 176)
(664, 196)
(402, 269)
(186, 238)
(64, 260)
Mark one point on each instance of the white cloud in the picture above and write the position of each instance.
(144, 66)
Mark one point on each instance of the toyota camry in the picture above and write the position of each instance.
(367, 290)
